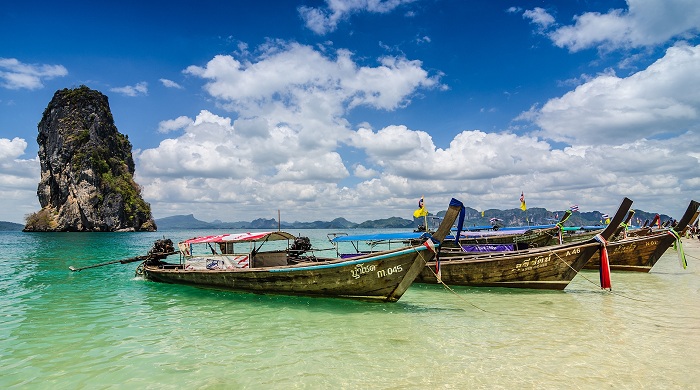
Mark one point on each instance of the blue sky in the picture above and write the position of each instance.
(357, 108)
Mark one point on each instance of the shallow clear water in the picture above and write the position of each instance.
(105, 328)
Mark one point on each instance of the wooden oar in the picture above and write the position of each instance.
(125, 261)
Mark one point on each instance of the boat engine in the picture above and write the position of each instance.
(299, 246)
(161, 249)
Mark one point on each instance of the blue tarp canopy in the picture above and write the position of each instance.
(382, 237)
(594, 227)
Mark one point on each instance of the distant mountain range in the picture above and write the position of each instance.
(511, 217)
(10, 226)
(190, 222)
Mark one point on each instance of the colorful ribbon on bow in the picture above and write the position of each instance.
(560, 225)
(624, 227)
(559, 232)
(604, 263)
(678, 246)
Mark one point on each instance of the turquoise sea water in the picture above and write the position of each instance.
(104, 328)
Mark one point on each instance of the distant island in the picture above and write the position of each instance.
(511, 217)
(10, 226)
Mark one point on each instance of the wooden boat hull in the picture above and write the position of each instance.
(637, 254)
(640, 250)
(552, 269)
(383, 276)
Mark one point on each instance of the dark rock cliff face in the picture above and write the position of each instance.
(86, 169)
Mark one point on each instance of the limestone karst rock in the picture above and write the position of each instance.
(87, 169)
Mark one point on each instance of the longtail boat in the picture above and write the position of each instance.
(640, 252)
(511, 239)
(551, 267)
(382, 276)
(583, 233)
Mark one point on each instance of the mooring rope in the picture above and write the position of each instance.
(439, 280)
(593, 283)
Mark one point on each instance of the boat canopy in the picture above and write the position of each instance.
(242, 237)
(527, 227)
(500, 232)
(594, 227)
(480, 227)
(506, 228)
(382, 237)
(494, 233)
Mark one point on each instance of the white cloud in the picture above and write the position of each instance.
(540, 17)
(170, 84)
(297, 75)
(17, 75)
(11, 148)
(212, 148)
(222, 175)
(287, 144)
(363, 172)
(325, 20)
(298, 96)
(412, 154)
(132, 90)
(173, 124)
(290, 105)
(17, 173)
(657, 101)
(18, 179)
(643, 23)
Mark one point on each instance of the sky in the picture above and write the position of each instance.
(358, 108)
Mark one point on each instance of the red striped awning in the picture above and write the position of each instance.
(242, 237)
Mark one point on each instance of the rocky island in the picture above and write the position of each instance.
(87, 169)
